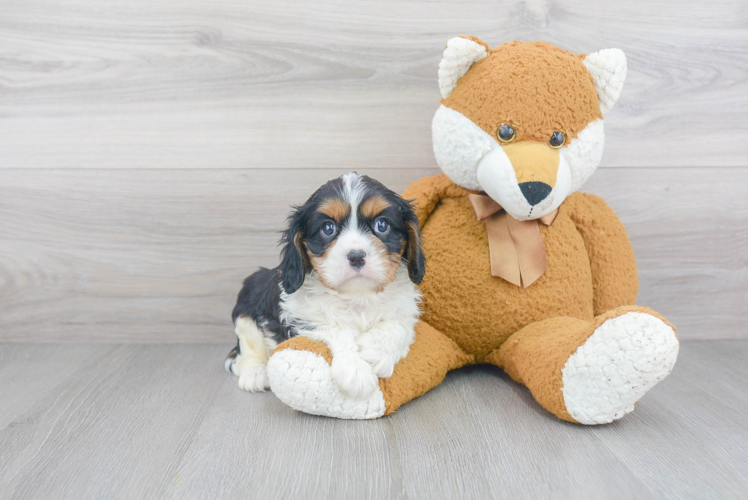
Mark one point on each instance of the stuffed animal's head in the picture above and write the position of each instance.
(523, 122)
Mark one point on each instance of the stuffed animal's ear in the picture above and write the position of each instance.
(294, 261)
(461, 53)
(608, 68)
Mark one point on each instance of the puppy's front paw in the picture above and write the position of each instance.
(381, 359)
(254, 378)
(353, 375)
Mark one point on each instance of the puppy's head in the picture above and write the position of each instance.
(355, 234)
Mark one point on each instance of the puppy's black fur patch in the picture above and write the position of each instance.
(259, 299)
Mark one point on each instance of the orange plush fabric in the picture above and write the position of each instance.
(431, 356)
(306, 344)
(478, 311)
(615, 281)
(535, 355)
(534, 86)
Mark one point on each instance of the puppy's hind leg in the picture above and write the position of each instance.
(249, 358)
(230, 361)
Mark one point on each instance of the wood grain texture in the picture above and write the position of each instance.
(289, 84)
(161, 421)
(159, 255)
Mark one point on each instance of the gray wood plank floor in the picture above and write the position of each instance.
(146, 421)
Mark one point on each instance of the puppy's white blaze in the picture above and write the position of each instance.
(353, 190)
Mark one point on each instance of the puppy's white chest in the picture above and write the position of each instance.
(315, 306)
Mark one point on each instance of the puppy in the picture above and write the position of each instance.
(350, 263)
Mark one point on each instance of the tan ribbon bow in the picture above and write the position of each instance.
(516, 246)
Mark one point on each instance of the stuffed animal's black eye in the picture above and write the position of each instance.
(381, 226)
(329, 228)
(557, 139)
(506, 133)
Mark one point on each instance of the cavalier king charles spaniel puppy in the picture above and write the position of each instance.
(350, 263)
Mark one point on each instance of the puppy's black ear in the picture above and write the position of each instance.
(413, 252)
(294, 261)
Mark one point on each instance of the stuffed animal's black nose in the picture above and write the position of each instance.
(356, 258)
(535, 192)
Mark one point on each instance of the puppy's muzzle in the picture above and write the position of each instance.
(356, 258)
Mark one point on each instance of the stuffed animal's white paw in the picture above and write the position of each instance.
(253, 378)
(353, 375)
(303, 381)
(623, 359)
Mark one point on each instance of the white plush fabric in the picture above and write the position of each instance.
(459, 144)
(623, 359)
(584, 153)
(459, 55)
(462, 148)
(303, 381)
(498, 179)
(608, 68)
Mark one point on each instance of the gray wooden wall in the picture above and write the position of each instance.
(149, 149)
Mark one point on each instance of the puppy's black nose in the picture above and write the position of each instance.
(356, 258)
(535, 192)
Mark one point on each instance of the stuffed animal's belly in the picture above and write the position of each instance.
(479, 311)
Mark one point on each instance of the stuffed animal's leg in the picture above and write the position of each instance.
(591, 372)
(299, 373)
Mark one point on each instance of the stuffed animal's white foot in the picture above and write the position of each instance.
(623, 359)
(303, 380)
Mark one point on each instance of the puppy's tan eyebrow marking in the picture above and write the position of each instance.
(374, 206)
(336, 208)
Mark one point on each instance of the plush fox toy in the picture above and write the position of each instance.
(523, 272)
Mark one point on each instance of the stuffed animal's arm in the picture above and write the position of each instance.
(614, 278)
(428, 191)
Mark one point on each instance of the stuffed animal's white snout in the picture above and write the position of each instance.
(523, 199)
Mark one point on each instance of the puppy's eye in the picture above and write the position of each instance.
(506, 133)
(329, 228)
(557, 140)
(381, 226)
